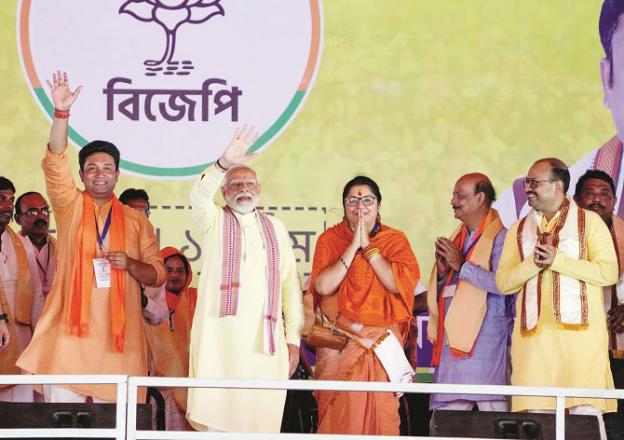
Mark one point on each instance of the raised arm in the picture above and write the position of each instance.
(204, 188)
(60, 185)
(62, 98)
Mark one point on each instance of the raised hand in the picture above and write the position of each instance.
(236, 151)
(62, 96)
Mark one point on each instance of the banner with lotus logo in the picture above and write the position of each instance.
(168, 80)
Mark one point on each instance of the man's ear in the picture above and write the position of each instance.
(605, 77)
(480, 198)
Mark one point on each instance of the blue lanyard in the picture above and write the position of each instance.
(102, 237)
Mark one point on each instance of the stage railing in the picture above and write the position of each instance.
(134, 382)
(127, 388)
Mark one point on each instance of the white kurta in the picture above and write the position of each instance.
(232, 347)
(8, 276)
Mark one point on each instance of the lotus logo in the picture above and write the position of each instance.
(153, 85)
(170, 15)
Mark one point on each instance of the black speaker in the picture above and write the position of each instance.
(67, 415)
(486, 424)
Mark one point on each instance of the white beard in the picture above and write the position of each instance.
(243, 208)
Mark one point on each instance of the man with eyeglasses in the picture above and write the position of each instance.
(475, 320)
(249, 314)
(32, 213)
(21, 296)
(559, 257)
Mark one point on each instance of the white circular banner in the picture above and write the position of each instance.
(168, 80)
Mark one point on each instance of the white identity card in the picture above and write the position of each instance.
(102, 269)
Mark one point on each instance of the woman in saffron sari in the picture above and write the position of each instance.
(363, 279)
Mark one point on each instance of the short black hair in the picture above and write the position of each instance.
(362, 180)
(133, 194)
(607, 25)
(485, 186)
(18, 207)
(98, 147)
(6, 184)
(593, 174)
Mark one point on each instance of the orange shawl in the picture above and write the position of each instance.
(83, 278)
(169, 342)
(186, 298)
(23, 307)
(361, 296)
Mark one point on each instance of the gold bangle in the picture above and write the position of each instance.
(368, 255)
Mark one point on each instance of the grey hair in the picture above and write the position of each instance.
(235, 167)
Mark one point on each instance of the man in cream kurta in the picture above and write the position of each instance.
(559, 257)
(238, 345)
(241, 344)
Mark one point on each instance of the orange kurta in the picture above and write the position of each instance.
(362, 298)
(54, 351)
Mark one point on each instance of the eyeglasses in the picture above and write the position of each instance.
(534, 183)
(34, 212)
(366, 200)
(237, 184)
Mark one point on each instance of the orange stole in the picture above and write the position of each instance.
(23, 307)
(469, 304)
(361, 296)
(77, 319)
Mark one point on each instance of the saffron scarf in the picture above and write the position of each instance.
(569, 294)
(464, 318)
(83, 278)
(23, 306)
(230, 273)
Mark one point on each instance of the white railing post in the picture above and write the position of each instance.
(121, 409)
(132, 408)
(560, 418)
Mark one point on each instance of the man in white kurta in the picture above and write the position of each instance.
(235, 346)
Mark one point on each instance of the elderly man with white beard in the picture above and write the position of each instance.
(249, 314)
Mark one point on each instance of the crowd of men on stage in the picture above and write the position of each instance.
(538, 304)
